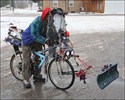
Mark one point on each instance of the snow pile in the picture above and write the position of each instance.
(75, 24)
(19, 11)
(94, 24)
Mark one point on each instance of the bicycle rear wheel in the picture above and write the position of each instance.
(16, 65)
(61, 74)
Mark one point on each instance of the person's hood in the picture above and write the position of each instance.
(45, 12)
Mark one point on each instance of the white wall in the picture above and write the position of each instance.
(114, 7)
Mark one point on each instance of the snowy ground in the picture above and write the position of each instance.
(98, 48)
(75, 24)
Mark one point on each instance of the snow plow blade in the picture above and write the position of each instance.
(108, 75)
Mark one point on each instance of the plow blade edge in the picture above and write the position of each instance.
(107, 76)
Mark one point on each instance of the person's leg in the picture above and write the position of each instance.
(37, 76)
(36, 47)
(26, 68)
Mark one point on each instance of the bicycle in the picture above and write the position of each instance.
(59, 70)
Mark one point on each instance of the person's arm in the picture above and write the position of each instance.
(36, 29)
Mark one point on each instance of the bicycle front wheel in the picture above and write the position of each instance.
(61, 74)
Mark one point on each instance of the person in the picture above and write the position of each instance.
(32, 39)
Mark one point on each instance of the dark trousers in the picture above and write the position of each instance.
(26, 52)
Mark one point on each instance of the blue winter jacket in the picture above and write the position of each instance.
(33, 33)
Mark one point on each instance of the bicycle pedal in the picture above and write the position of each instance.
(39, 79)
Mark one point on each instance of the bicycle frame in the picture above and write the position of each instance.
(42, 58)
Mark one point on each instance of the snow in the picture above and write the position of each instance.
(5, 11)
(75, 24)
(94, 24)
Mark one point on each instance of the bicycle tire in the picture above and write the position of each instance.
(12, 66)
(73, 75)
